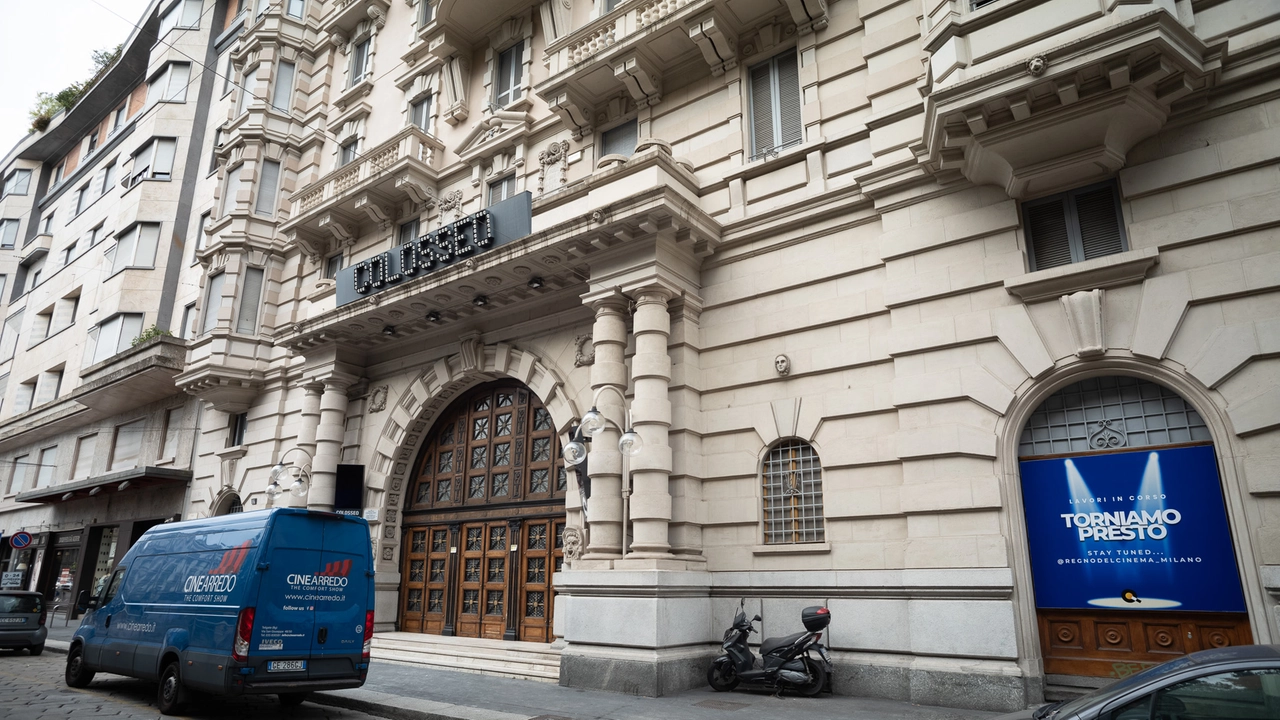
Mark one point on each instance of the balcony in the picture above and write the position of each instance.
(406, 166)
(133, 378)
(345, 15)
(1067, 116)
(633, 46)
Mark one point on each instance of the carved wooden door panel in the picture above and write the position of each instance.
(425, 579)
(542, 551)
(489, 467)
(1109, 644)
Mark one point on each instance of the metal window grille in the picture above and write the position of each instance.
(1106, 413)
(793, 494)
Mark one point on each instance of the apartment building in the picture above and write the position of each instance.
(97, 440)
(956, 317)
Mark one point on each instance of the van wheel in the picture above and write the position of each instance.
(78, 673)
(170, 697)
(37, 649)
(292, 699)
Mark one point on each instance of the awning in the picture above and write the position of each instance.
(121, 481)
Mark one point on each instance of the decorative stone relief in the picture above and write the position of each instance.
(1084, 317)
(450, 206)
(1037, 65)
(586, 351)
(554, 159)
(782, 364)
(388, 552)
(572, 542)
(378, 399)
(472, 351)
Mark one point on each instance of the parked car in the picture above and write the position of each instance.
(22, 621)
(1242, 683)
(276, 601)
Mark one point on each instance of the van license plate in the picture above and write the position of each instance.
(13, 620)
(286, 665)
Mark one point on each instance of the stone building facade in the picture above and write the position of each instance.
(849, 269)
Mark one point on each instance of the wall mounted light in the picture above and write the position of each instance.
(480, 301)
(301, 475)
(535, 282)
(388, 330)
(433, 316)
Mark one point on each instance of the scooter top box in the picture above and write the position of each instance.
(815, 618)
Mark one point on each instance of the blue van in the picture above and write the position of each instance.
(276, 601)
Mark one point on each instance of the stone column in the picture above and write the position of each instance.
(329, 434)
(651, 418)
(308, 423)
(608, 383)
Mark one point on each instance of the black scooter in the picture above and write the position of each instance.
(787, 662)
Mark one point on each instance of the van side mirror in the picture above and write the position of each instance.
(84, 602)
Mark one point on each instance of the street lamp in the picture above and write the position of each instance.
(301, 475)
(594, 423)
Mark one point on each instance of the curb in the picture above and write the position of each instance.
(57, 646)
(401, 708)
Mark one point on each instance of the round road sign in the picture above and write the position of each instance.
(19, 540)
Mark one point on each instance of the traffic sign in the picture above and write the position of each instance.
(19, 540)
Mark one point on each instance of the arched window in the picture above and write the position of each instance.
(1105, 413)
(793, 494)
(229, 505)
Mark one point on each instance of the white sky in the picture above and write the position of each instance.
(45, 45)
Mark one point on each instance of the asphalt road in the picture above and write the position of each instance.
(31, 688)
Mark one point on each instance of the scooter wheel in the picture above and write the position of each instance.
(722, 677)
(817, 679)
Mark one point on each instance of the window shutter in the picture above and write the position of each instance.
(268, 184)
(1099, 221)
(9, 340)
(4, 386)
(789, 126)
(761, 109)
(191, 11)
(620, 140)
(83, 466)
(179, 74)
(1050, 240)
(284, 86)
(8, 233)
(162, 164)
(128, 445)
(130, 328)
(144, 254)
(247, 319)
(124, 250)
(213, 302)
(229, 192)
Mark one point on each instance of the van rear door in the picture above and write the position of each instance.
(284, 621)
(342, 598)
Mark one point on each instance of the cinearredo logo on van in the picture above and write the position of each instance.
(333, 575)
(221, 578)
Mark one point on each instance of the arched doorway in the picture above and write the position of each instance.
(484, 521)
(1131, 551)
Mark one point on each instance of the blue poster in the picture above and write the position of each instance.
(1144, 530)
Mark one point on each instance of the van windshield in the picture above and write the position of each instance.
(21, 604)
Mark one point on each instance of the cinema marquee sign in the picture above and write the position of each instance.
(474, 234)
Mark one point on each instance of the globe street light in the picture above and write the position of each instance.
(301, 475)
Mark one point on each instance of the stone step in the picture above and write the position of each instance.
(531, 661)
(519, 671)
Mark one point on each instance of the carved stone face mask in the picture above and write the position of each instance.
(782, 364)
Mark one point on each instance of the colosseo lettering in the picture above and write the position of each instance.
(316, 580)
(1132, 525)
(209, 584)
(425, 253)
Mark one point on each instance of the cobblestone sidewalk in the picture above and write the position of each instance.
(31, 688)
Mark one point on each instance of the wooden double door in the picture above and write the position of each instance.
(484, 527)
(489, 579)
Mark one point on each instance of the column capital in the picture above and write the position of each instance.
(334, 381)
(610, 301)
(653, 295)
